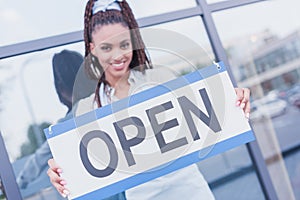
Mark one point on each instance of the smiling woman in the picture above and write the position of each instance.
(115, 55)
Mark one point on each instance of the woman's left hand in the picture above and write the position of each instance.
(243, 100)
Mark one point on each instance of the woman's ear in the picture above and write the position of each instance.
(92, 48)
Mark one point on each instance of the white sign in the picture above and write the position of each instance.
(149, 134)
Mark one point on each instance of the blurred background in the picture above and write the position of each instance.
(258, 40)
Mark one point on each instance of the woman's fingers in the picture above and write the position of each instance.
(54, 175)
(247, 110)
(243, 100)
(53, 166)
(247, 102)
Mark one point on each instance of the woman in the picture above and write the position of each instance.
(115, 55)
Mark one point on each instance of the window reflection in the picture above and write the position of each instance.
(144, 8)
(264, 54)
(215, 1)
(186, 38)
(30, 104)
(279, 55)
(38, 23)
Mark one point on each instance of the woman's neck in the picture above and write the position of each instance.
(121, 84)
(118, 82)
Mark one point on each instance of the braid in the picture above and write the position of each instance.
(87, 23)
(139, 46)
(97, 97)
(88, 61)
(128, 15)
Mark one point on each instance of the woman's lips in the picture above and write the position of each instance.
(118, 66)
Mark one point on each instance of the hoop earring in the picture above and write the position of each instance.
(96, 70)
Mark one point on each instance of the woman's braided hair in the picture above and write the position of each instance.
(140, 61)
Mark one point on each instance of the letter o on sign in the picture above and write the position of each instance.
(111, 148)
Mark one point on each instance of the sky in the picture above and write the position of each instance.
(31, 19)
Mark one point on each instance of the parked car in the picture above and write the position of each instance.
(295, 89)
(295, 100)
(293, 95)
(265, 107)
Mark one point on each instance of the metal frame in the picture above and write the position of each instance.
(7, 174)
(202, 9)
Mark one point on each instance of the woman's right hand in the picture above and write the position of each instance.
(54, 175)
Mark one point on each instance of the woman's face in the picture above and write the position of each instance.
(113, 48)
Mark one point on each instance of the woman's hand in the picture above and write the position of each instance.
(243, 100)
(54, 175)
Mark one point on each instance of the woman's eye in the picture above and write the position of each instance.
(105, 48)
(125, 45)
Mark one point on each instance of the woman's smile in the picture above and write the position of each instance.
(118, 65)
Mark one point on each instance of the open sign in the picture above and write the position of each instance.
(149, 134)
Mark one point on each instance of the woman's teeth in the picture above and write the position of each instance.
(118, 64)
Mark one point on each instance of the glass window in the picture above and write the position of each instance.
(263, 52)
(144, 8)
(231, 175)
(215, 1)
(29, 103)
(29, 20)
(27, 86)
(185, 45)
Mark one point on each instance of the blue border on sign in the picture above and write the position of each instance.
(169, 167)
(135, 99)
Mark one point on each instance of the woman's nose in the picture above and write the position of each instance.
(118, 54)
